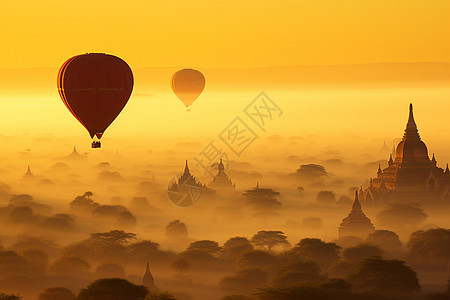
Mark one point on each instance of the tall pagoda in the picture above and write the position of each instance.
(356, 223)
(411, 176)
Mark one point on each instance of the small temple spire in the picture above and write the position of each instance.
(391, 161)
(28, 174)
(221, 168)
(186, 168)
(379, 169)
(148, 280)
(433, 160)
(411, 115)
(447, 171)
(257, 185)
(356, 205)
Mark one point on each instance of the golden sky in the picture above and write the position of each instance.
(221, 33)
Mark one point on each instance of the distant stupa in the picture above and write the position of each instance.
(28, 174)
(356, 223)
(384, 148)
(75, 155)
(221, 181)
(148, 280)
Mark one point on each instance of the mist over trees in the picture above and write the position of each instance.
(219, 249)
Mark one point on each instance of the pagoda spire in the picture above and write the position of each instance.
(411, 131)
(221, 168)
(356, 205)
(186, 168)
(447, 171)
(433, 161)
(257, 185)
(148, 279)
(379, 169)
(391, 161)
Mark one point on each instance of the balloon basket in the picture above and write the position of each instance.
(96, 144)
(188, 109)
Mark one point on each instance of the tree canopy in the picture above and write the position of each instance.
(386, 276)
(316, 250)
(269, 239)
(112, 288)
(57, 293)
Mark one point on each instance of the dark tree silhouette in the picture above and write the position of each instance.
(22, 215)
(386, 240)
(311, 172)
(297, 272)
(180, 265)
(57, 293)
(318, 251)
(10, 297)
(70, 265)
(26, 242)
(236, 246)
(244, 281)
(114, 236)
(269, 239)
(59, 222)
(176, 229)
(84, 203)
(402, 216)
(386, 276)
(341, 268)
(209, 247)
(307, 292)
(143, 251)
(126, 218)
(360, 252)
(263, 202)
(326, 197)
(336, 284)
(430, 247)
(112, 288)
(257, 259)
(159, 296)
(236, 297)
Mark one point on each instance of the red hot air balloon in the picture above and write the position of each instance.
(95, 88)
(188, 84)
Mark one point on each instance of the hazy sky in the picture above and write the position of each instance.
(237, 33)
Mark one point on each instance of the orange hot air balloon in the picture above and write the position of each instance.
(95, 88)
(188, 84)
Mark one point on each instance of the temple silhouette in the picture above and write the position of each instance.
(411, 177)
(356, 223)
(186, 190)
(221, 182)
(28, 174)
(148, 281)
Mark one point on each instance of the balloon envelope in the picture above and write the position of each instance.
(95, 88)
(188, 84)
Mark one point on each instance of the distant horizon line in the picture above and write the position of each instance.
(254, 67)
